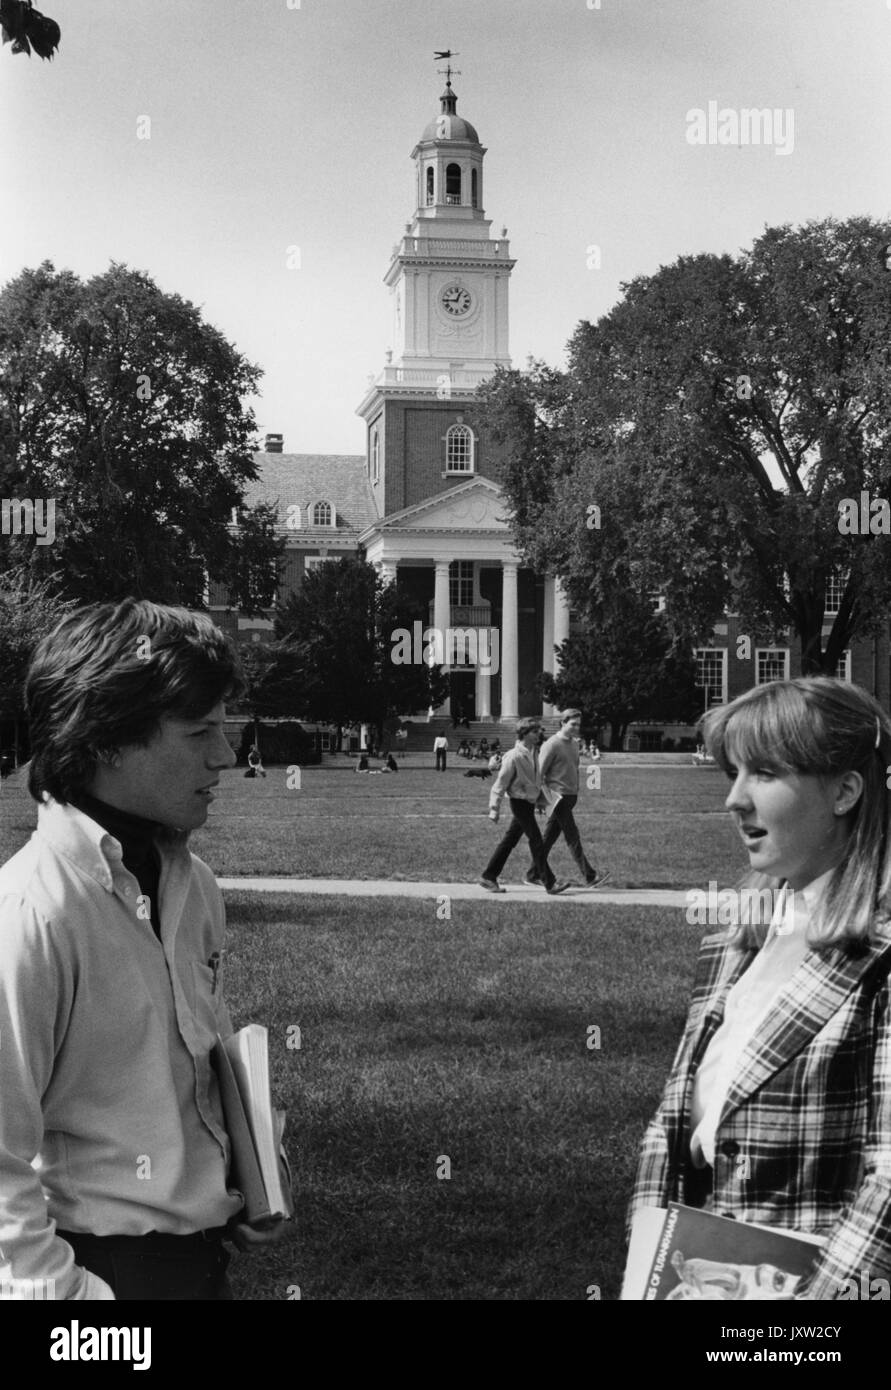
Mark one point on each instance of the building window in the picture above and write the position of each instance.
(453, 183)
(711, 674)
(474, 195)
(835, 588)
(771, 664)
(843, 668)
(459, 449)
(429, 184)
(323, 514)
(375, 457)
(461, 583)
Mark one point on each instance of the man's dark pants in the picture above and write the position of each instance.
(561, 820)
(155, 1267)
(522, 823)
(441, 759)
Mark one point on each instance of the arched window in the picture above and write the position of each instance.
(429, 184)
(459, 449)
(453, 183)
(474, 196)
(322, 514)
(375, 457)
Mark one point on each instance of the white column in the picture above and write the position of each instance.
(483, 693)
(388, 571)
(561, 619)
(547, 645)
(509, 642)
(442, 614)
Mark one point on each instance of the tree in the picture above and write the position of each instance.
(718, 417)
(26, 28)
(29, 609)
(342, 621)
(124, 407)
(613, 680)
(274, 680)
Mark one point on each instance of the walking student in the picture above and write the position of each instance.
(519, 780)
(114, 1154)
(558, 763)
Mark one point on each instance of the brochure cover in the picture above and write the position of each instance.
(703, 1256)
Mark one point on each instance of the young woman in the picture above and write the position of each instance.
(778, 1106)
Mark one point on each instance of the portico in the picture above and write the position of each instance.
(453, 553)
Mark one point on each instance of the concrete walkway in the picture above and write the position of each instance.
(514, 892)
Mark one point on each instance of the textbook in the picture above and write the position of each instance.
(685, 1253)
(255, 1128)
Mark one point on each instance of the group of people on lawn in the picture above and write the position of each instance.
(777, 1109)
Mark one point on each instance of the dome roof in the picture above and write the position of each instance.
(450, 128)
(447, 125)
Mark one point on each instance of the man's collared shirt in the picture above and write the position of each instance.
(519, 777)
(110, 1115)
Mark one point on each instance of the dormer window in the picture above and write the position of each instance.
(459, 449)
(323, 514)
(453, 183)
(429, 185)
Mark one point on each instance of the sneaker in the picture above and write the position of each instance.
(533, 879)
(491, 885)
(558, 886)
(598, 879)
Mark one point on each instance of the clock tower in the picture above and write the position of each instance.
(448, 279)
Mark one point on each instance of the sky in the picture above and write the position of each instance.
(283, 123)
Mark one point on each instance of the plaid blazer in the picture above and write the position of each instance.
(804, 1137)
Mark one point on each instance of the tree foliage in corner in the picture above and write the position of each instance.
(29, 609)
(341, 622)
(123, 405)
(26, 28)
(717, 417)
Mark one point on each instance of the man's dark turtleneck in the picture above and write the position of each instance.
(137, 840)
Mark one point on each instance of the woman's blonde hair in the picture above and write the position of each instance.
(818, 726)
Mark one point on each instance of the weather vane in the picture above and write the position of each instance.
(447, 54)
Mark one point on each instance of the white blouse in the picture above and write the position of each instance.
(785, 947)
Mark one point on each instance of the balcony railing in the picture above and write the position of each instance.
(465, 616)
(455, 246)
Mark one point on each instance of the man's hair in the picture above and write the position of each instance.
(818, 726)
(105, 676)
(569, 714)
(526, 725)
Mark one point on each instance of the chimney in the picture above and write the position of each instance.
(274, 444)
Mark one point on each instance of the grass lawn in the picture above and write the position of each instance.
(465, 1039)
(652, 827)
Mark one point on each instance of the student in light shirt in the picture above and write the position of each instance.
(778, 1106)
(114, 1157)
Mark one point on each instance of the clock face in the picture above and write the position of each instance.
(456, 300)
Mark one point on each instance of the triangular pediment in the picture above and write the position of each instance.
(477, 505)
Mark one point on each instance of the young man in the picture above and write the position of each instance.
(519, 778)
(559, 767)
(113, 1151)
(440, 748)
